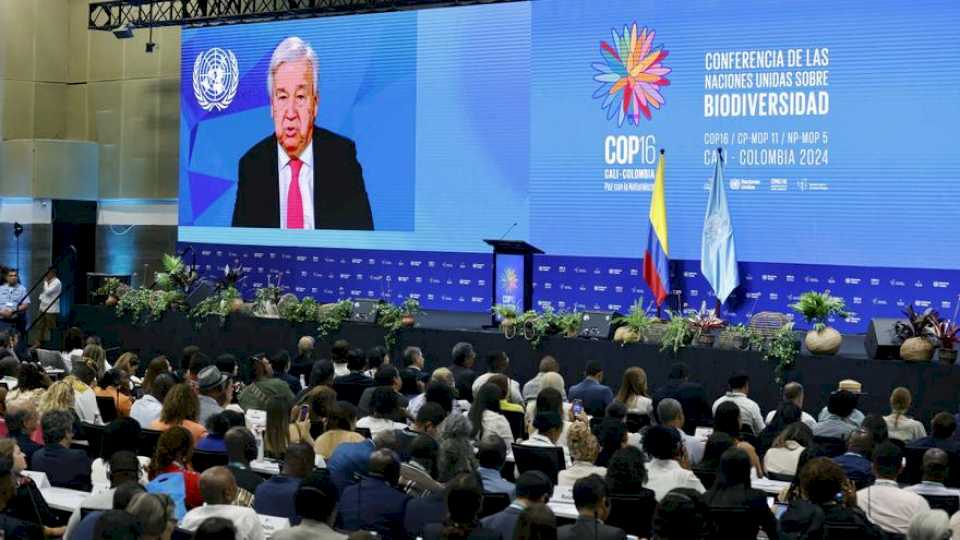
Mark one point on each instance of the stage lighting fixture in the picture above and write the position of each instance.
(123, 32)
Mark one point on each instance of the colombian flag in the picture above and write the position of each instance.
(655, 256)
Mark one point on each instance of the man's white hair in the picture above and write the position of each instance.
(930, 525)
(293, 49)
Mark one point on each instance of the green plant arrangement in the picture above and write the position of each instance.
(175, 276)
(112, 289)
(816, 308)
(632, 326)
(945, 332)
(266, 300)
(568, 323)
(676, 334)
(507, 315)
(781, 348)
(533, 326)
(702, 324)
(221, 303)
(152, 303)
(409, 309)
(917, 344)
(333, 315)
(738, 337)
(303, 310)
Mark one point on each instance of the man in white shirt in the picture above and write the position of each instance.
(793, 392)
(49, 306)
(749, 410)
(124, 469)
(147, 409)
(531, 389)
(219, 489)
(670, 413)
(499, 362)
(664, 472)
(885, 503)
(935, 463)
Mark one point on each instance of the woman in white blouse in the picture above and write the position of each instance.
(633, 391)
(783, 455)
(547, 380)
(485, 415)
(899, 425)
(584, 449)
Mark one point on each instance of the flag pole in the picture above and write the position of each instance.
(718, 305)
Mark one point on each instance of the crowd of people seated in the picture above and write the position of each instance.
(205, 446)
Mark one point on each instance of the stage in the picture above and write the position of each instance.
(934, 386)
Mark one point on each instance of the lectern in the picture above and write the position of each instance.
(513, 273)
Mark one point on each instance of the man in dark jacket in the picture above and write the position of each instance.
(590, 497)
(375, 503)
(691, 395)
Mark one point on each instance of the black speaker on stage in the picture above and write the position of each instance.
(881, 340)
(364, 310)
(201, 291)
(598, 324)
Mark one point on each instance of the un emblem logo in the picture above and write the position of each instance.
(215, 78)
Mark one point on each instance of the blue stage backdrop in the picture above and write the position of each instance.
(837, 121)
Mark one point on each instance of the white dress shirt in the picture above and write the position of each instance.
(376, 425)
(783, 460)
(244, 519)
(904, 428)
(805, 417)
(890, 507)
(305, 180)
(932, 488)
(749, 410)
(496, 424)
(515, 395)
(666, 474)
(85, 403)
(145, 410)
(51, 291)
(98, 471)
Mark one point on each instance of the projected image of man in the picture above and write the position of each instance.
(302, 176)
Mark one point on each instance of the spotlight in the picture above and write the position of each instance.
(123, 32)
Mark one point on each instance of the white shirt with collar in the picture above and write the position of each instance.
(51, 292)
(890, 507)
(749, 410)
(805, 417)
(305, 180)
(666, 474)
(932, 488)
(145, 410)
(244, 519)
(515, 395)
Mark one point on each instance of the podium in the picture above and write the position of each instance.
(513, 273)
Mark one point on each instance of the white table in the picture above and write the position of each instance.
(63, 499)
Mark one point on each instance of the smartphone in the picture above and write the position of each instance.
(577, 407)
(779, 509)
(304, 412)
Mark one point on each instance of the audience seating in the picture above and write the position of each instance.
(518, 424)
(181, 534)
(833, 446)
(94, 437)
(148, 442)
(548, 460)
(780, 477)
(747, 436)
(732, 522)
(843, 532)
(364, 431)
(349, 392)
(108, 409)
(948, 503)
(202, 460)
(706, 477)
(493, 503)
(633, 513)
(636, 422)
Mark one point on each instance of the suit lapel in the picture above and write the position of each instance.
(272, 192)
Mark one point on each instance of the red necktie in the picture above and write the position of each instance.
(294, 198)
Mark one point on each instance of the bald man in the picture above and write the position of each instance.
(303, 363)
(856, 462)
(219, 489)
(936, 468)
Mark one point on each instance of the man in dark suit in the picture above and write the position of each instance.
(464, 357)
(65, 467)
(942, 430)
(533, 487)
(590, 497)
(375, 504)
(856, 462)
(302, 176)
(691, 395)
(594, 395)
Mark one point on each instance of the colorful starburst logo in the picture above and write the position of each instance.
(510, 281)
(631, 75)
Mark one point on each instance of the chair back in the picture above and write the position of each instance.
(633, 513)
(350, 392)
(838, 531)
(912, 472)
(546, 459)
(948, 503)
(518, 425)
(493, 503)
(733, 522)
(707, 477)
(367, 434)
(203, 460)
(149, 439)
(108, 409)
(94, 437)
(833, 446)
(747, 436)
(779, 477)
(181, 534)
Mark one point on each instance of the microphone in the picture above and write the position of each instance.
(508, 231)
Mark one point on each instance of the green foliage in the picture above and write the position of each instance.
(265, 297)
(504, 311)
(220, 303)
(331, 319)
(945, 332)
(175, 276)
(112, 287)
(304, 310)
(743, 333)
(918, 324)
(781, 348)
(703, 321)
(637, 319)
(410, 306)
(817, 307)
(676, 335)
(150, 302)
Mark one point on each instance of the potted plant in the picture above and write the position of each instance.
(507, 314)
(702, 324)
(945, 332)
(176, 275)
(782, 347)
(112, 289)
(332, 316)
(916, 344)
(633, 326)
(265, 302)
(569, 323)
(409, 310)
(817, 308)
(676, 334)
(736, 337)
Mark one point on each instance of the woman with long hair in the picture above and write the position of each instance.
(784, 453)
(549, 399)
(72, 347)
(726, 419)
(129, 363)
(28, 503)
(464, 499)
(319, 401)
(341, 421)
(627, 472)
(115, 384)
(584, 449)
(158, 365)
(732, 490)
(32, 382)
(172, 456)
(787, 413)
(96, 357)
(899, 425)
(633, 391)
(456, 454)
(277, 434)
(485, 415)
(59, 397)
(180, 408)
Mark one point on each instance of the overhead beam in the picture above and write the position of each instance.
(112, 14)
